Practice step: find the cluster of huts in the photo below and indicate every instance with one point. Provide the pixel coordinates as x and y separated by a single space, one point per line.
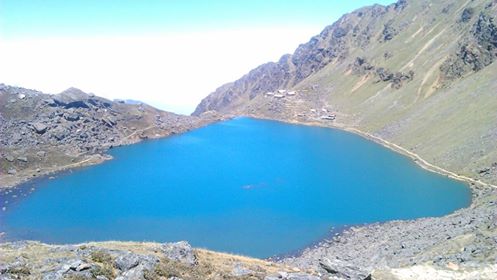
281 93
324 114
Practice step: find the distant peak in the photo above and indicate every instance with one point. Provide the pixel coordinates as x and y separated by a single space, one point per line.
73 90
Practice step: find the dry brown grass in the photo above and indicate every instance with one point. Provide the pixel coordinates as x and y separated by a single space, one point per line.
211 265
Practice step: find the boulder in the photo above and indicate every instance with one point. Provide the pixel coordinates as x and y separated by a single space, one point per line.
50 102
179 251
22 159
127 262
41 153
39 128
12 171
110 122
146 263
72 117
60 133
342 269
467 14
239 270
9 158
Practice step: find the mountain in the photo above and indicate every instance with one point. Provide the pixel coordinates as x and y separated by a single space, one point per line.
43 133
419 74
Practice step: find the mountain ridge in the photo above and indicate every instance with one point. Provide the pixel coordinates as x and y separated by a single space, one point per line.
396 72
44 133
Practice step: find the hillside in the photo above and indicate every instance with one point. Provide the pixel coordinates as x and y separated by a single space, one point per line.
43 133
417 77
420 74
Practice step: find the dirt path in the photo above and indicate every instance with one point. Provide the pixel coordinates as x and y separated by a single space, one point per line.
418 159
138 131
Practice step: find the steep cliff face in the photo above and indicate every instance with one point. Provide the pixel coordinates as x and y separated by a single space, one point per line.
420 74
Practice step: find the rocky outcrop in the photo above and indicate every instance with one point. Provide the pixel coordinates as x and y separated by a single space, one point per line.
180 251
477 50
467 14
76 98
362 67
333 44
134 261
71 127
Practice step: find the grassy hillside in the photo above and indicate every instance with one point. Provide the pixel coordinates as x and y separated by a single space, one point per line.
417 73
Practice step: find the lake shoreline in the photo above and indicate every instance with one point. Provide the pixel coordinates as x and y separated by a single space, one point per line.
358 250
9 182
387 144
306 257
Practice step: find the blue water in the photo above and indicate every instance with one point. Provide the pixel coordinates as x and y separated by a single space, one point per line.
247 186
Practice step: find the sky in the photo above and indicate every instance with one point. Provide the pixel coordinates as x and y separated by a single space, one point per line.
167 53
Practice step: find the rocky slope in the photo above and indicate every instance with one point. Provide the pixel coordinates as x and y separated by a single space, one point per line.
134 261
43 133
417 77
420 74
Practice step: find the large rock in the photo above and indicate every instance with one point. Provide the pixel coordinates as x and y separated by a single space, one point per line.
60 133
342 269
41 153
22 159
240 270
109 121
179 251
9 158
39 128
72 117
127 262
135 266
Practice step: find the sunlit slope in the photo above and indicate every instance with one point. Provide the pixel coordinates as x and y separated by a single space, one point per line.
418 73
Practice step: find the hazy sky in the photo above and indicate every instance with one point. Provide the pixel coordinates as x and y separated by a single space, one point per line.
168 53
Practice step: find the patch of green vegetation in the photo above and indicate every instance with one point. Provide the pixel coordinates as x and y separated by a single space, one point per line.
105 267
20 272
4 167
105 270
167 268
101 257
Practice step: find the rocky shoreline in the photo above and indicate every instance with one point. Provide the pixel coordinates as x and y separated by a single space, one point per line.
43 134
134 261
458 242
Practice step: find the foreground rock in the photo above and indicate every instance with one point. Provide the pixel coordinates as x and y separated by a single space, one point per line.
133 261
180 251
462 243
